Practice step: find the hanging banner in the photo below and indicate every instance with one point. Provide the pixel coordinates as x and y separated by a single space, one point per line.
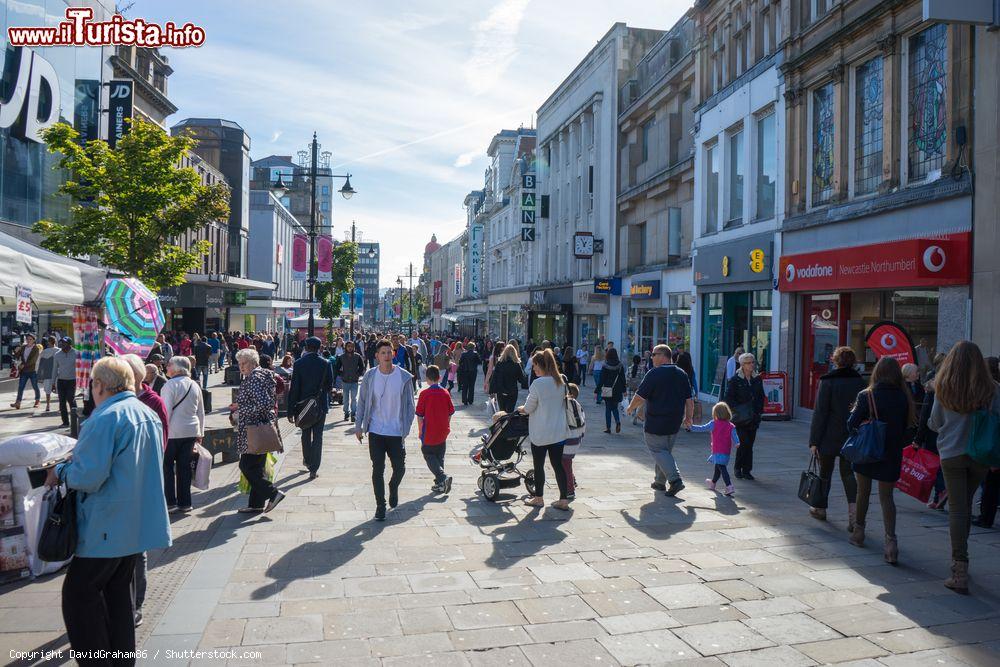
300 257
888 339
458 280
119 109
359 298
23 305
438 294
475 259
324 259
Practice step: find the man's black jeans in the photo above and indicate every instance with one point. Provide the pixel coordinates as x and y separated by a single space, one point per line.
312 445
97 606
380 446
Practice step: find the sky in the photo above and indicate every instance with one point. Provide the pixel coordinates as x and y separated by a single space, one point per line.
406 95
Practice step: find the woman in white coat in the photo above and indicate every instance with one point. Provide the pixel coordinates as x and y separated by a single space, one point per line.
547 426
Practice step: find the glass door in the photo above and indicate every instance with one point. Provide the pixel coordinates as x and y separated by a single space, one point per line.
647 322
821 336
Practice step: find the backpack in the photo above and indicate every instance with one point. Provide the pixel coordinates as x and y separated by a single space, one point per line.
576 419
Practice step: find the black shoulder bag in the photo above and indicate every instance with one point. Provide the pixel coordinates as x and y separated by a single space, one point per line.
57 541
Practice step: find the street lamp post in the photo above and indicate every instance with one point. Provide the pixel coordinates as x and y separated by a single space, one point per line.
354 274
409 314
279 189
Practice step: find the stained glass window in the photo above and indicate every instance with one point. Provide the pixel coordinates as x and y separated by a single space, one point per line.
868 127
927 78
822 148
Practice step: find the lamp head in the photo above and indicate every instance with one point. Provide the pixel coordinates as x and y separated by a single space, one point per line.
347 191
279 188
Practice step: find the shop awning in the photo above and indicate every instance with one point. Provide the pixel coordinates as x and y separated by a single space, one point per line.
228 282
55 281
458 316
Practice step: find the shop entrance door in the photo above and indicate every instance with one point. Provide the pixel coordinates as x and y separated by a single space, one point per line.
646 332
736 321
822 315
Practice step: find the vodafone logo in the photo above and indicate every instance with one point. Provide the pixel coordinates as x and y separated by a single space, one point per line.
934 258
790 272
888 341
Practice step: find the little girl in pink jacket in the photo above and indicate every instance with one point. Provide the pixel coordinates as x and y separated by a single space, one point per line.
724 438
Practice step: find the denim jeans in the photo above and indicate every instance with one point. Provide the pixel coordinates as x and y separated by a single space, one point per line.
380 447
434 457
661 449
611 408
597 383
312 445
23 380
350 398
203 375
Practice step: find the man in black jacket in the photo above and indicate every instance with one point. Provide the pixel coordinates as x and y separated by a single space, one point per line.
350 367
312 377
468 369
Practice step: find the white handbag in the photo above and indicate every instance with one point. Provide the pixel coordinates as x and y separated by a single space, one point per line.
203 468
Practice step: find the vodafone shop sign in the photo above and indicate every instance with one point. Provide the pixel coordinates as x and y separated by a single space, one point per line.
927 262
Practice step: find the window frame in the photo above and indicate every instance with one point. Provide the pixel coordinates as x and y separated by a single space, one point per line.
707 148
761 115
731 221
853 124
904 118
810 110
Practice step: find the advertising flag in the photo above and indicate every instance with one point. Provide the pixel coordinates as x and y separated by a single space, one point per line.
890 339
324 258
300 257
438 294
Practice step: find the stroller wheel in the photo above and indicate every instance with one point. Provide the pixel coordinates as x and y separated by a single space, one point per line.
529 482
479 482
491 487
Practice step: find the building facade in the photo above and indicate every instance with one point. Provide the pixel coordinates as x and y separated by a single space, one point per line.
366 277
576 159
447 285
739 152
150 70
264 174
655 205
879 203
272 227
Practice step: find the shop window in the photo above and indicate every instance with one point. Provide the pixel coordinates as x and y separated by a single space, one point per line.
647 138
868 127
712 167
734 179
926 114
767 167
760 328
677 331
711 344
822 145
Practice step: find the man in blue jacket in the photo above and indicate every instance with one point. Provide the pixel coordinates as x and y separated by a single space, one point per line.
117 474
312 377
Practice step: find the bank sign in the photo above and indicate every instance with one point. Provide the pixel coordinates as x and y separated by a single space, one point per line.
923 262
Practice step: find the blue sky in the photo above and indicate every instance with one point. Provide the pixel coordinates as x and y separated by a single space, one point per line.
407 95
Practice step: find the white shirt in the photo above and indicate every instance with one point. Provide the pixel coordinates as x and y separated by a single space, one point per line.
187 419
730 368
546 409
386 390
581 356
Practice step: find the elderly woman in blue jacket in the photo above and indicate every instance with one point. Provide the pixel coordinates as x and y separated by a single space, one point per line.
117 473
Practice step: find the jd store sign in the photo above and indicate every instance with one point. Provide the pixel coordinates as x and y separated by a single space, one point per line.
34 101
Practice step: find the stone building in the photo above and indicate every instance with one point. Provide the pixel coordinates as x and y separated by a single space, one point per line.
879 192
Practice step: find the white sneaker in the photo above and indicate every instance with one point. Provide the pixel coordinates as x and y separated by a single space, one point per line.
710 484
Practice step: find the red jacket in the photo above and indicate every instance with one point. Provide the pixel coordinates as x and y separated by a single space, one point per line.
152 400
435 407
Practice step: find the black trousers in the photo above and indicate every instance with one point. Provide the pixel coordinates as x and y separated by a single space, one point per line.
507 402
555 454
177 471
468 389
991 494
380 446
826 464
312 445
66 389
97 606
434 457
744 453
261 488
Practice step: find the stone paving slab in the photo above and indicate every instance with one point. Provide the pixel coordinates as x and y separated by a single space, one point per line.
626 577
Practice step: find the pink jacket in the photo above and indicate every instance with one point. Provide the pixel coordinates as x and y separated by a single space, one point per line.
723 435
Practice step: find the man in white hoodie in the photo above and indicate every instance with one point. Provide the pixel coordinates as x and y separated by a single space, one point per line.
385 411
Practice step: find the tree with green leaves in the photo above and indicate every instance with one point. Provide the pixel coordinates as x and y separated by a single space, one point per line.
419 309
131 203
330 294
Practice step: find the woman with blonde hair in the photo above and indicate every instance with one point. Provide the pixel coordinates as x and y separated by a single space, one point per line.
547 426
507 379
745 397
596 366
963 385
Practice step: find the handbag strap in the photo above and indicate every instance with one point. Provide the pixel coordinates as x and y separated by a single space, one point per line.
813 464
872 412
183 397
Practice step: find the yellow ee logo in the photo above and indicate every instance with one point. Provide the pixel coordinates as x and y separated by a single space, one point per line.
757 260
725 266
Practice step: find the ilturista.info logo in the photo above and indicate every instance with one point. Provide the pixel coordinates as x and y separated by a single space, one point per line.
79 29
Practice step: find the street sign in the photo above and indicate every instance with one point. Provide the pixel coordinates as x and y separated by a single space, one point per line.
310 304
527 233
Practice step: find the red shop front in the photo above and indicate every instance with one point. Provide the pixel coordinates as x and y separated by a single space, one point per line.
844 291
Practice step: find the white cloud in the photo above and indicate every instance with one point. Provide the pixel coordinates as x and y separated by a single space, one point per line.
277 135
495 45
465 159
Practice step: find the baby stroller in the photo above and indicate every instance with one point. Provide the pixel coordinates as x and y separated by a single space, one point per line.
499 455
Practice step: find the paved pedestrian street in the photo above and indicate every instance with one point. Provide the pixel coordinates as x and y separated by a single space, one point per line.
627 577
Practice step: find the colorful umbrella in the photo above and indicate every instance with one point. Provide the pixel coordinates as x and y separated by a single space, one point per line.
133 316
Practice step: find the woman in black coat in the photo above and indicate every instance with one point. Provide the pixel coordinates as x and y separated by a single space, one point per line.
893 406
838 390
570 365
507 379
612 377
745 397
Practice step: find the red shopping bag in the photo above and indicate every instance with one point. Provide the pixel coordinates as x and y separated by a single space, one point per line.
919 470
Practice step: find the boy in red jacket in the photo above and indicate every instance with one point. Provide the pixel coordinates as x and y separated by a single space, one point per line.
434 411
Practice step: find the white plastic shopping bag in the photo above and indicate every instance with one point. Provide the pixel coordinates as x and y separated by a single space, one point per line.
35 514
203 468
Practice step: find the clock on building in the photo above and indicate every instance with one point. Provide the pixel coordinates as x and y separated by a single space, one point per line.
583 245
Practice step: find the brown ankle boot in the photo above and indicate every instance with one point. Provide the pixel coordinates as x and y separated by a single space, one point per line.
959 579
891 551
858 534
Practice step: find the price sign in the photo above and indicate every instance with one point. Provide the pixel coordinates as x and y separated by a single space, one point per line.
24 305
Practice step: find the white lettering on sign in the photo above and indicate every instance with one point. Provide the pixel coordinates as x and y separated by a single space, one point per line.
33 72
